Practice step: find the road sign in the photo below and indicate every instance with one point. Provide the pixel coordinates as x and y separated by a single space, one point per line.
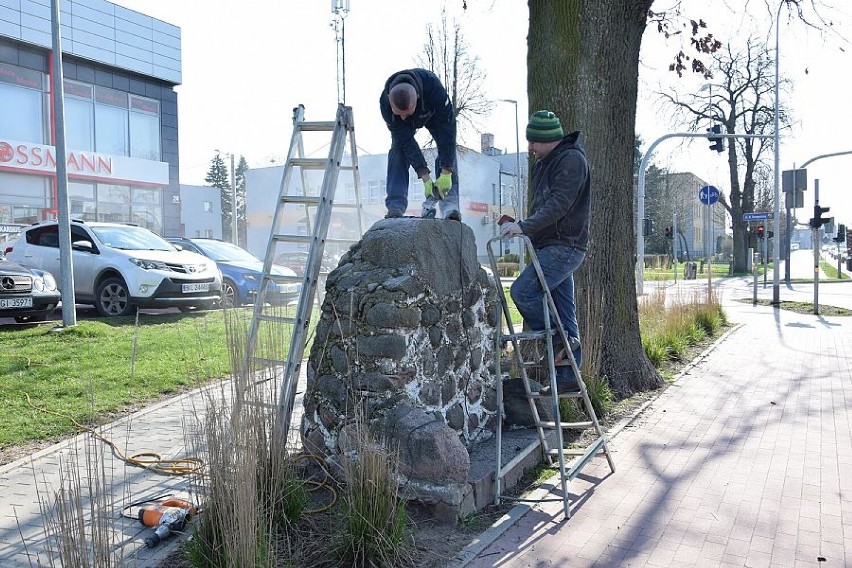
757 216
708 195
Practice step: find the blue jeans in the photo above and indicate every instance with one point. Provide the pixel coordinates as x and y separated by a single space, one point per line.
558 263
397 180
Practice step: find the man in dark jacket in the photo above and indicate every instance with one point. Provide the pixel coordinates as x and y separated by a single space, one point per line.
558 227
412 99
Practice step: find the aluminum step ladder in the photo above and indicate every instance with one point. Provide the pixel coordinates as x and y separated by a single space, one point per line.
306 209
550 449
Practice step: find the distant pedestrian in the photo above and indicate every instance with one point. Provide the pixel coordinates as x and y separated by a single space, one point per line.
558 227
413 99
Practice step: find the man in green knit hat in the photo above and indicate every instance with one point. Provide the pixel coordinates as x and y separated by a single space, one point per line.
558 227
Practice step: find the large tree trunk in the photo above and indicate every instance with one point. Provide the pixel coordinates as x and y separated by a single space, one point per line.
583 64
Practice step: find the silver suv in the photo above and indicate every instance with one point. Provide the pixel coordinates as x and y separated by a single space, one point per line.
118 267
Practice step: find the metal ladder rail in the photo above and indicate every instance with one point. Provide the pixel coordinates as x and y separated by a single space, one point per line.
289 382
531 397
599 445
340 128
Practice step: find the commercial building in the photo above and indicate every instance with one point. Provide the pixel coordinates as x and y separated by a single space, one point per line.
120 69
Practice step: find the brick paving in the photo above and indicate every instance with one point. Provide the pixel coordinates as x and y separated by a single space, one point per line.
745 461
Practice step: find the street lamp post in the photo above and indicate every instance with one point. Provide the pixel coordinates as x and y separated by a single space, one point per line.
521 192
776 245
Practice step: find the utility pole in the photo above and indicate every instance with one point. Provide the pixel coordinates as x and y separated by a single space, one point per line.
69 315
235 236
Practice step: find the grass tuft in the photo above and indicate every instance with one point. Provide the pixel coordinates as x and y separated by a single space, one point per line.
373 522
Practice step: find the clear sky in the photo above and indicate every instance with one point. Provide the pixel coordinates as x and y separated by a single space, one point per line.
247 64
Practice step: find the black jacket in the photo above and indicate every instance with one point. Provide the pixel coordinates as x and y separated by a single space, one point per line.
434 111
560 201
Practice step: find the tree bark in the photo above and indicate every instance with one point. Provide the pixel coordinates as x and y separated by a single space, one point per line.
583 59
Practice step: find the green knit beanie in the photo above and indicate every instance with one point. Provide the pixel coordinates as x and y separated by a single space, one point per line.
544 126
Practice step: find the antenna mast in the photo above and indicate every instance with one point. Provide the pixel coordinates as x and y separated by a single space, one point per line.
340 9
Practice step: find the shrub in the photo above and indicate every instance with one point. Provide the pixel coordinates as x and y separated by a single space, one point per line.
507 269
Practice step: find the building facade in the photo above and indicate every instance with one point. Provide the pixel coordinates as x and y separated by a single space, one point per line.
201 212
120 68
487 190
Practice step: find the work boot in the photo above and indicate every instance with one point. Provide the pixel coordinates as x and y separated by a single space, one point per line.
428 211
393 214
450 211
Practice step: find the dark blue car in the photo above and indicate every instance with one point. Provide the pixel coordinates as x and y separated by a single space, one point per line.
241 272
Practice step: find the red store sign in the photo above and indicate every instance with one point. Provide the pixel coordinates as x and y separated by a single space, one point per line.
28 158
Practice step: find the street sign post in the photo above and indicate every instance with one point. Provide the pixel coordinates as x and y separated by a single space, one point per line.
708 195
757 216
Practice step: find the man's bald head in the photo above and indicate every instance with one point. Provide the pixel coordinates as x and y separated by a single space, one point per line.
403 99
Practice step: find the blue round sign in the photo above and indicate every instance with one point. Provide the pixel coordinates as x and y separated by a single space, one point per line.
708 195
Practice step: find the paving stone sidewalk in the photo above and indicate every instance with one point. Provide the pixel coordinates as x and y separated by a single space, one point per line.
745 461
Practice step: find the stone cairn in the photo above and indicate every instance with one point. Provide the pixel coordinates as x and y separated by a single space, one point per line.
404 346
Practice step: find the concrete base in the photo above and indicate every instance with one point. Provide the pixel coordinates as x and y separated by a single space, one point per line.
521 444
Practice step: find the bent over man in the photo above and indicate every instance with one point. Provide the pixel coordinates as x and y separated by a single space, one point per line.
558 227
413 99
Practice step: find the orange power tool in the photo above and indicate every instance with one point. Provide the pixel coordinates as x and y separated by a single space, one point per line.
165 518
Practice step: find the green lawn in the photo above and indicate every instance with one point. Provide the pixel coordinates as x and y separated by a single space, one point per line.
102 368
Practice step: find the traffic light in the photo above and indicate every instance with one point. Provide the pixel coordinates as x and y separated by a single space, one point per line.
760 231
840 237
818 220
718 143
669 233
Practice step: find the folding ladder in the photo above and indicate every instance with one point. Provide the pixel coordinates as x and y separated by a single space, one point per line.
550 451
303 215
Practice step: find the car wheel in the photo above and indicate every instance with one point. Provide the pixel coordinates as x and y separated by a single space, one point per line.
229 295
35 318
113 299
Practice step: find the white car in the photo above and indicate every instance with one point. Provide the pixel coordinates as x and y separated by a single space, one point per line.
120 267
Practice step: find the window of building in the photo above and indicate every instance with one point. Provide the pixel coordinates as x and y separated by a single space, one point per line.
113 203
208 206
375 196
111 122
208 233
22 95
144 128
79 116
82 199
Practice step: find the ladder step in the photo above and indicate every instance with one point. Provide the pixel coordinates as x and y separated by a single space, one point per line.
276 319
522 335
283 278
572 394
318 126
566 425
315 164
285 238
308 163
301 199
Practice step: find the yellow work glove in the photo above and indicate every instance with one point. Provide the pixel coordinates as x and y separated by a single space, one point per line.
428 186
444 183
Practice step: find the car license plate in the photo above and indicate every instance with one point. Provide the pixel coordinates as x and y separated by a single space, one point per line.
9 303
195 287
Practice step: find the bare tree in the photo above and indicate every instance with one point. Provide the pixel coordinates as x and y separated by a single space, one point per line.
741 99
447 54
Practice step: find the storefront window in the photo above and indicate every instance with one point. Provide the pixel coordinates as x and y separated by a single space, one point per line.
113 203
82 199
